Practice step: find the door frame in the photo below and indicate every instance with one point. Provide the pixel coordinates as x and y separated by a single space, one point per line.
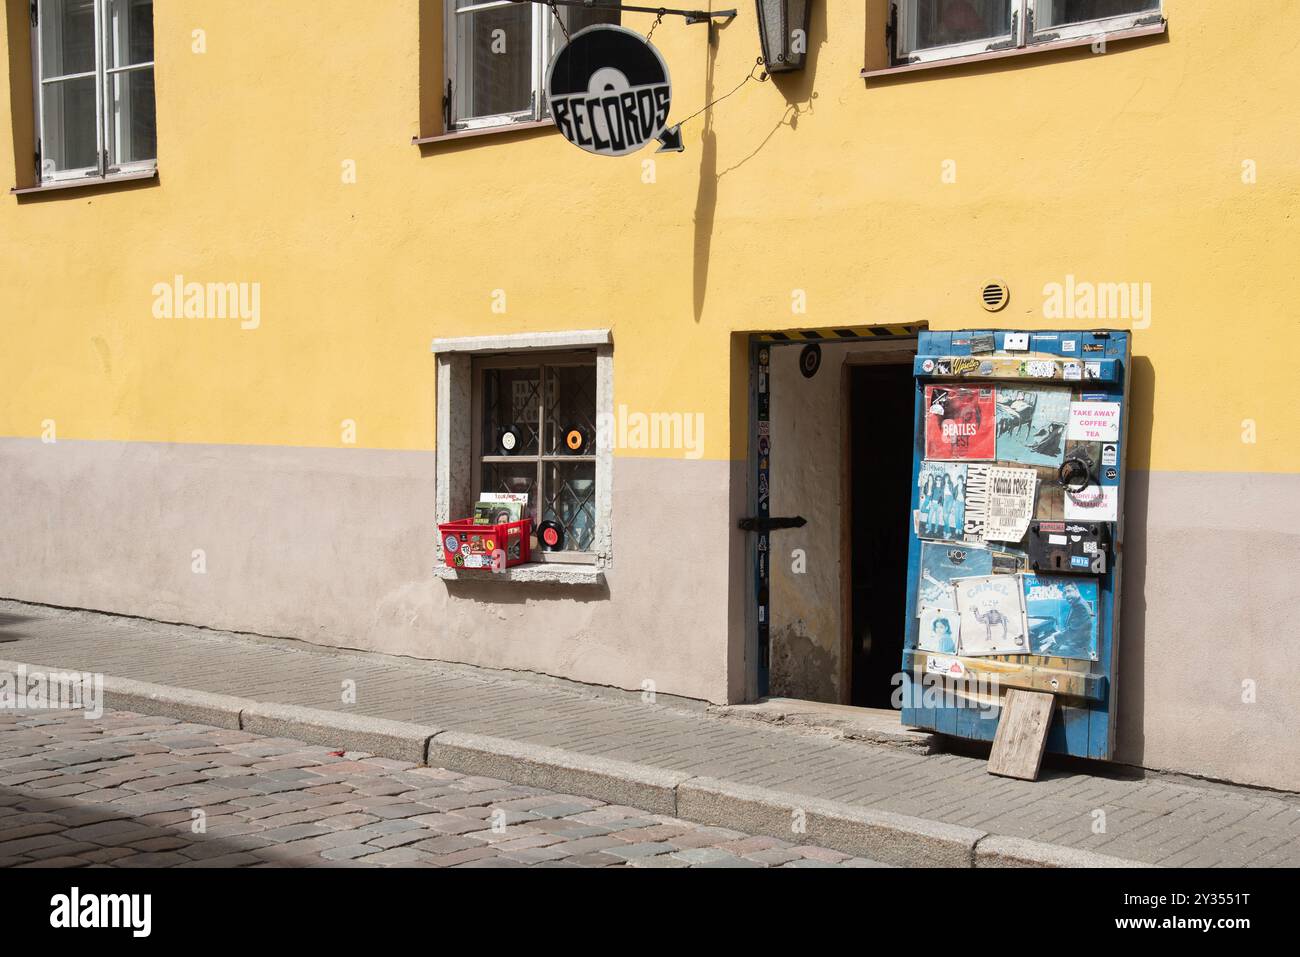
757 570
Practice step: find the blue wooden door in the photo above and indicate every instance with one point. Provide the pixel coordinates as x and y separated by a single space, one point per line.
1026 379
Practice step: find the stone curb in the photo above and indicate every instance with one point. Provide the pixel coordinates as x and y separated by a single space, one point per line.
567 772
398 740
880 835
996 851
379 736
183 704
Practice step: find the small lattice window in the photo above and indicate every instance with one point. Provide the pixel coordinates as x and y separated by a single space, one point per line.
536 435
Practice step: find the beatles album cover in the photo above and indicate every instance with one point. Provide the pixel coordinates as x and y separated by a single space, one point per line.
960 423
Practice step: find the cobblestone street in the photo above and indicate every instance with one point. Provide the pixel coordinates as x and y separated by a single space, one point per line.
667 752
129 790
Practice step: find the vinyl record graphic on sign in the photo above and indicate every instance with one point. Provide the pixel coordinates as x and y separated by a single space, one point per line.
609 91
810 360
550 535
509 440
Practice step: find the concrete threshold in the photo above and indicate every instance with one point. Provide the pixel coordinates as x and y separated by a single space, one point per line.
883 836
875 726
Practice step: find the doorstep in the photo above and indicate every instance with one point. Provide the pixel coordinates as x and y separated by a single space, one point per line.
879 726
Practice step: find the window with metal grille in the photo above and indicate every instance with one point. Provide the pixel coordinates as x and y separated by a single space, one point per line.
497 52
536 434
94 87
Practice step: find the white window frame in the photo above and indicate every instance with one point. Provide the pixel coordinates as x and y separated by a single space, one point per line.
908 21
543 27
106 29
1099 28
1023 33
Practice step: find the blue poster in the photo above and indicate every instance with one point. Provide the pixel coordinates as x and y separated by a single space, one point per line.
940 564
1032 425
1062 615
942 508
939 631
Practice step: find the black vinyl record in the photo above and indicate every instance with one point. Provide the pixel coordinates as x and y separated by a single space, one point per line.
575 440
550 536
509 440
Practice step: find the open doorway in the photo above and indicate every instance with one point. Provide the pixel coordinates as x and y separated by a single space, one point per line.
881 404
835 454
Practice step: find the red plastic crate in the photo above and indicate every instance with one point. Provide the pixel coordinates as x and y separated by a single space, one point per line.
486 547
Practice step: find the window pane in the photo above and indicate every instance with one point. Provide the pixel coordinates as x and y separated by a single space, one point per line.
576 18
569 497
510 411
944 22
570 410
67 37
132 133
1059 12
494 60
68 108
520 478
130 32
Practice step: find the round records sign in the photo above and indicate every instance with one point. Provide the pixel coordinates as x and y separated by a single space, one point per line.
609 91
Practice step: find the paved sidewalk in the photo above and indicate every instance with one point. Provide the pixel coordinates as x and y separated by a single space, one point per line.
710 764
130 790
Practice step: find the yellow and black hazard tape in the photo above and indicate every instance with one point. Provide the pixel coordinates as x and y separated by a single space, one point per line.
836 334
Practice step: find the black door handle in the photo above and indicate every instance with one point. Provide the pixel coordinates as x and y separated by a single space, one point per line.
756 524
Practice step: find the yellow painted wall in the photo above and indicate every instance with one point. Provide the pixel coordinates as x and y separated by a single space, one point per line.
1123 167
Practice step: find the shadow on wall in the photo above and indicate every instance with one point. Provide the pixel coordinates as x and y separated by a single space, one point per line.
1130 738
796 87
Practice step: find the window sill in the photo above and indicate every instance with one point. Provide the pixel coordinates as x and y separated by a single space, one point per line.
549 573
504 128
1154 29
83 183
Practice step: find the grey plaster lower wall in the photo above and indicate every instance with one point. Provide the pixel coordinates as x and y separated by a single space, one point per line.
1210 640
337 547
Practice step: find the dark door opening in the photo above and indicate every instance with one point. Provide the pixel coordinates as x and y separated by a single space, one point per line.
881 409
